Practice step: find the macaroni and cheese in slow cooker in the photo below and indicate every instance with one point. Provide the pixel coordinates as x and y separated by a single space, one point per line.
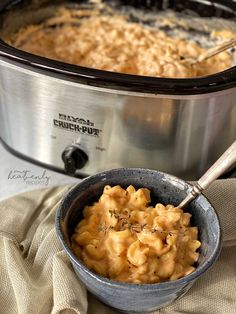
112 42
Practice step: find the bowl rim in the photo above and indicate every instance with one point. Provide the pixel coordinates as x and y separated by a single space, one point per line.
68 200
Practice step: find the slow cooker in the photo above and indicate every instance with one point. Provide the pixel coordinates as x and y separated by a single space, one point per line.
81 120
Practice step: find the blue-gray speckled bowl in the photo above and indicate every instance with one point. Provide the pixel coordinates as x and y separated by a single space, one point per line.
167 189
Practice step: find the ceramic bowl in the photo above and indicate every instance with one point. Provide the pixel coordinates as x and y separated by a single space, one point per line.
166 189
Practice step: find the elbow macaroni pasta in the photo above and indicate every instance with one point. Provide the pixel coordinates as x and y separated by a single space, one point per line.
113 43
124 239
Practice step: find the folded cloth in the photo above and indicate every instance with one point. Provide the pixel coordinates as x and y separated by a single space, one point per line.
37 277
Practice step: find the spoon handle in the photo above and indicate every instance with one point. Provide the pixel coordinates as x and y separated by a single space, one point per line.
214 51
218 168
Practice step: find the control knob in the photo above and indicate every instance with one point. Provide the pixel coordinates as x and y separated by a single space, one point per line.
74 158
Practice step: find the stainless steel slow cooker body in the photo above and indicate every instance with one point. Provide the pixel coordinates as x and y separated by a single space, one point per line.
82 121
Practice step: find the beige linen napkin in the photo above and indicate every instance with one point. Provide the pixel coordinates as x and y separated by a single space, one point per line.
37 277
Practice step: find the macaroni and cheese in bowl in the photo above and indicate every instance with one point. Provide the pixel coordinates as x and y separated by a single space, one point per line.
143 243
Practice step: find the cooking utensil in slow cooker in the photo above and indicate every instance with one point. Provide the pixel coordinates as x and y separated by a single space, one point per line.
222 164
49 107
212 52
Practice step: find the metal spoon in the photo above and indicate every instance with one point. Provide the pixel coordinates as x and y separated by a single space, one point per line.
212 52
218 168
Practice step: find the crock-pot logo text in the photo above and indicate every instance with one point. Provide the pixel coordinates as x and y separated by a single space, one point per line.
75 124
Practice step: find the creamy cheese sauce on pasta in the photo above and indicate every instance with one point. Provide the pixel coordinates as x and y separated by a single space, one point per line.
115 44
123 238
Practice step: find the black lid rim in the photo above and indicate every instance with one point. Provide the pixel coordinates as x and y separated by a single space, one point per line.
120 81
